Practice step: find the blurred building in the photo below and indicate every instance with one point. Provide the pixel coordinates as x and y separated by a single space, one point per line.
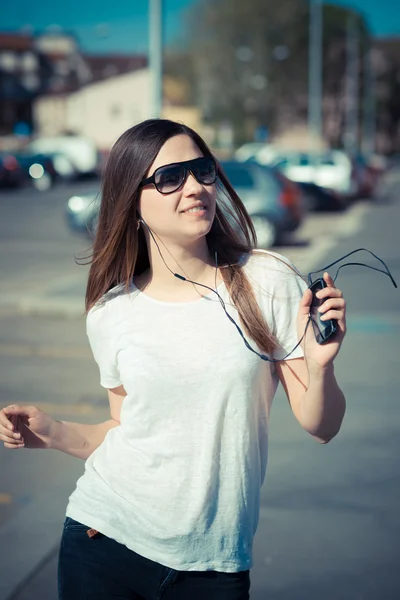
31 66
49 65
23 72
100 110
104 109
68 69
109 65
48 87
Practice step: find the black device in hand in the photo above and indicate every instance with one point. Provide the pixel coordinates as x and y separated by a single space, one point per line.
323 330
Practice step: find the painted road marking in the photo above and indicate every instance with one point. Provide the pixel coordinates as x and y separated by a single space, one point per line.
374 323
354 220
6 498
45 351
334 228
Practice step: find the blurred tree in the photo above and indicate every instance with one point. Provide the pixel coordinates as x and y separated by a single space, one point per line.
247 64
178 68
386 59
335 85
247 59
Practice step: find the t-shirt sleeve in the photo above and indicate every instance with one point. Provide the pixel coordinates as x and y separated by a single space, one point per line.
288 291
101 339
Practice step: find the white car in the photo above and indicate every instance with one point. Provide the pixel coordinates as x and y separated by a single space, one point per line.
248 151
79 151
331 169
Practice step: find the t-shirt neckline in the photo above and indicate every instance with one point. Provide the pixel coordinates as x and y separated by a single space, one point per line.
208 297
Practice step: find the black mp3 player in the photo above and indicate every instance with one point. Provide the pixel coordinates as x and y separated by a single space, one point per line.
323 330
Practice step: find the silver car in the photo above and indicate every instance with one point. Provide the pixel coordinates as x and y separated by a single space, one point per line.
274 203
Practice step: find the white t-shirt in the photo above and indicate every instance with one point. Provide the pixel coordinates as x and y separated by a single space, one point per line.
178 481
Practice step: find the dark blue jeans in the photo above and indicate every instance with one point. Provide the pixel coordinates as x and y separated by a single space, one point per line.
99 568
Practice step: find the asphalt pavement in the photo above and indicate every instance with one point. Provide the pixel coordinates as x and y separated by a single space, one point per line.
329 524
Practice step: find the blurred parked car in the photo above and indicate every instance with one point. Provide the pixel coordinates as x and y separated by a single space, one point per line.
82 212
318 199
273 202
331 170
11 172
367 171
80 152
248 151
44 170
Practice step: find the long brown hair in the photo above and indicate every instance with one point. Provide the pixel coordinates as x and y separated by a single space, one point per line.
120 250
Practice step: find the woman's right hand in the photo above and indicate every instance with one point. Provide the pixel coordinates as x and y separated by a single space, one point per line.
26 427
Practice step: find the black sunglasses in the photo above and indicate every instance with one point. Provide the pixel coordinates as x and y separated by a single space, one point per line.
169 178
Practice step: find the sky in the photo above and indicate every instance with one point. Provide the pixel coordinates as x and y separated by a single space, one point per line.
122 25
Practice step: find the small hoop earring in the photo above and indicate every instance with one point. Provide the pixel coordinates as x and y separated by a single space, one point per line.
138 226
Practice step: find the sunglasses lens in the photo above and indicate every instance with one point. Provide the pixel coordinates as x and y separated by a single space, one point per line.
205 170
169 179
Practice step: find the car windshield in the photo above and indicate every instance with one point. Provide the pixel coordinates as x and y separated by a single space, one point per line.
239 177
281 162
327 159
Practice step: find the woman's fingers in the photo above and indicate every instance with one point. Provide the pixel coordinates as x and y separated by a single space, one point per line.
305 302
329 292
328 280
11 437
13 446
5 421
11 440
15 410
9 433
332 314
332 303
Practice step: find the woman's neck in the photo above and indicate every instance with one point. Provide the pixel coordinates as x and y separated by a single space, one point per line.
195 265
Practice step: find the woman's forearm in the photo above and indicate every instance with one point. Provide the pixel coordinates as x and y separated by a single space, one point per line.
78 439
323 405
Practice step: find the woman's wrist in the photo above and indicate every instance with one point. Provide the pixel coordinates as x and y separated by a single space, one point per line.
318 372
55 435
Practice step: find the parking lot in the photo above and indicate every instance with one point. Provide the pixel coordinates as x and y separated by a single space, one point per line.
328 513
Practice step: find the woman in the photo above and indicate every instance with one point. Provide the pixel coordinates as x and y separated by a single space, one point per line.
169 501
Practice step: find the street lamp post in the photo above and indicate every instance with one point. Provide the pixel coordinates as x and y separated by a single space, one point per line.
369 109
351 141
155 56
315 74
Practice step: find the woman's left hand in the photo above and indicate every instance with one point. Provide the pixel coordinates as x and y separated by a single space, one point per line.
333 307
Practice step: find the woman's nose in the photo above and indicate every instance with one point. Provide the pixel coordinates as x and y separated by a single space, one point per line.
192 186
